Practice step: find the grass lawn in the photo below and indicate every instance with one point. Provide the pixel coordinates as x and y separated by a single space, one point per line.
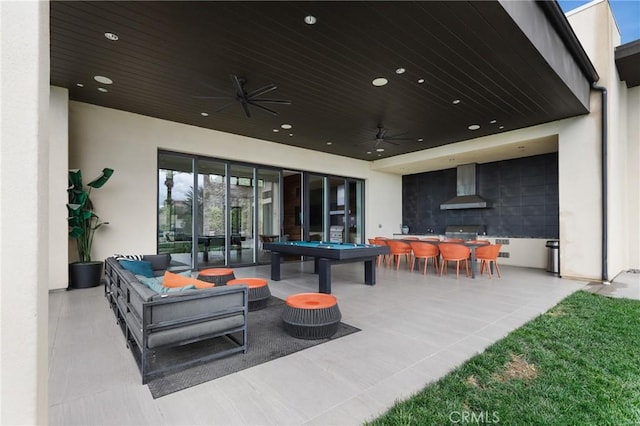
577 364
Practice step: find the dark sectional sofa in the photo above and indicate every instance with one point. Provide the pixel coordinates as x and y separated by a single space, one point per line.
152 322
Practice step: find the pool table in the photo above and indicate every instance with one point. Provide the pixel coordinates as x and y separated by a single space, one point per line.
325 254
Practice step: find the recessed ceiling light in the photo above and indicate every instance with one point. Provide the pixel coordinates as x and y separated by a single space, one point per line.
276 130
474 127
368 152
102 79
102 89
329 143
379 149
286 126
310 20
456 101
420 80
501 127
420 139
400 70
380 81
79 84
111 36
204 114
493 121
290 134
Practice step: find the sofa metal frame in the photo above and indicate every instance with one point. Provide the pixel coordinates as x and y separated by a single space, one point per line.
151 322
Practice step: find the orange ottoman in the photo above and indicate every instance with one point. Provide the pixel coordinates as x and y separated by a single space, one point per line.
218 276
311 315
259 292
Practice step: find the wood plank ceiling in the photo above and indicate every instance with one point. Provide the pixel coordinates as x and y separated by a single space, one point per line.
466 63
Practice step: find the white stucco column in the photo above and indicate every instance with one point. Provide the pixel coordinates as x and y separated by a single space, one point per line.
24 206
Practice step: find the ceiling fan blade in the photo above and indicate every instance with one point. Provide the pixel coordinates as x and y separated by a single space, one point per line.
261 91
212 97
225 106
272 101
239 86
217 89
245 107
398 137
263 108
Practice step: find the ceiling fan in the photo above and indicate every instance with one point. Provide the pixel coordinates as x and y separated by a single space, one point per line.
383 137
248 98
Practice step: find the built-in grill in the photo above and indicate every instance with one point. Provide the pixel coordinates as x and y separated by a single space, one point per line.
466 232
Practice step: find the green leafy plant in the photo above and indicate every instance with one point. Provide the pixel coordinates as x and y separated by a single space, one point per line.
83 221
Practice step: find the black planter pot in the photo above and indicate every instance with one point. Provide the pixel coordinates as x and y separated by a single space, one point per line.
84 274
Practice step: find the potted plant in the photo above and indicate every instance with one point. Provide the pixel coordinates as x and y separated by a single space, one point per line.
83 223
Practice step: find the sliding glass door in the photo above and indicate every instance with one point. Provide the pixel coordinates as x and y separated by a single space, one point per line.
317 208
242 205
175 184
355 211
211 212
269 205
217 213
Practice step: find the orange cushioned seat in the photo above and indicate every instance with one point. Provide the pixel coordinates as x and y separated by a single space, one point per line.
172 280
311 300
249 282
311 315
259 292
218 276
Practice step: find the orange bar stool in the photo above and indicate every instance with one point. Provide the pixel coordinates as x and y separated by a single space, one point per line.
379 241
259 292
398 249
311 315
454 253
218 276
486 255
426 251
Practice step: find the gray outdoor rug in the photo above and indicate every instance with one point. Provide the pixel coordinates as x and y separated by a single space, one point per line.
266 341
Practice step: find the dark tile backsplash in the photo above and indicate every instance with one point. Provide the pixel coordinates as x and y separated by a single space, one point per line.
523 193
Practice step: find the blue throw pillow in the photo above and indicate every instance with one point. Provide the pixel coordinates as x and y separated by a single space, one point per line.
138 267
155 284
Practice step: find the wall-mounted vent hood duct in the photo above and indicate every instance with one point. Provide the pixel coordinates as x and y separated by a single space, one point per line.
467 197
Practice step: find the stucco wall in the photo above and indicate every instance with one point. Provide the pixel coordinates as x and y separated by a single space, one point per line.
623 184
24 208
128 143
58 182
632 181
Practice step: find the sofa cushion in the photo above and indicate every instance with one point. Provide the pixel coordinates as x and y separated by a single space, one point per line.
159 262
179 280
128 256
155 284
138 267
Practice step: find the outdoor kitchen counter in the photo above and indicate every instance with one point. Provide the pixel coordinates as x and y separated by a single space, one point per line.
525 252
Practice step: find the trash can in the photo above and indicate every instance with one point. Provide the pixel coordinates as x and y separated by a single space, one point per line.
553 256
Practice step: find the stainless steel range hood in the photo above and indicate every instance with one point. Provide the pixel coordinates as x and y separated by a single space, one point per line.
466 198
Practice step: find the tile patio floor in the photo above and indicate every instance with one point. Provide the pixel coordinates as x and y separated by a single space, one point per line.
415 328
